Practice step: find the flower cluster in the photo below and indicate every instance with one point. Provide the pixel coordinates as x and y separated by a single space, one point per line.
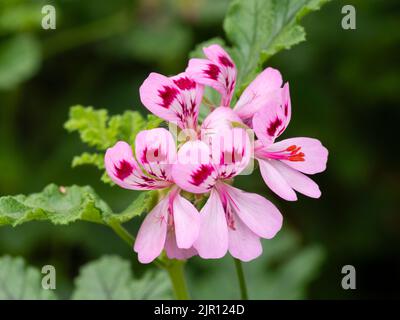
216 151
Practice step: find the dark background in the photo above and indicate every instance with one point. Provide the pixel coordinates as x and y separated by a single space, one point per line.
345 92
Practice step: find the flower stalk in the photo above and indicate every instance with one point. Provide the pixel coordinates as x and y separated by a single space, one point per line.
242 281
175 271
174 268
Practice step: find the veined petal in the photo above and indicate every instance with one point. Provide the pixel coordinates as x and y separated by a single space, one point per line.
190 98
194 171
172 250
212 242
231 151
275 181
152 233
265 87
156 152
256 212
218 72
220 118
270 121
314 154
297 180
123 169
244 244
186 222
176 99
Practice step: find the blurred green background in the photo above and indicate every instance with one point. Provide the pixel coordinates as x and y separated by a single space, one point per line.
345 92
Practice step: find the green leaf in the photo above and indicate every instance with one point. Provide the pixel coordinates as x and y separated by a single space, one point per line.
20 58
143 203
211 97
260 28
59 205
94 126
110 278
86 158
21 282
97 129
63 205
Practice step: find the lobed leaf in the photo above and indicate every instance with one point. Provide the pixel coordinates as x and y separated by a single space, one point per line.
143 203
64 205
258 29
21 282
59 205
94 126
97 129
86 158
110 278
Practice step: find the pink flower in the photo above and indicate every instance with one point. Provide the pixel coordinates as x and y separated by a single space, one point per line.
266 107
231 219
174 222
176 99
219 72
283 163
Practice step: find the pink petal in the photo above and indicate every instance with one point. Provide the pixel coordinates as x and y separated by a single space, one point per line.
220 118
244 244
212 242
286 102
315 154
259 214
275 181
265 87
176 99
173 252
218 72
186 222
152 233
123 169
270 121
297 180
231 151
156 152
194 171
191 97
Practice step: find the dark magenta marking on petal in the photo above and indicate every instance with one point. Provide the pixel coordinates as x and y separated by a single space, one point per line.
185 83
225 61
143 157
151 155
213 71
286 109
147 179
167 94
199 176
273 126
231 157
123 170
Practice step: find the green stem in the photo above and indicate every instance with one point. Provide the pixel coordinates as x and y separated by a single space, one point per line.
130 240
241 279
176 273
122 233
175 268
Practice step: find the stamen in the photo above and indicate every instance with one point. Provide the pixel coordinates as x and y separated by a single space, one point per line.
291 148
291 153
